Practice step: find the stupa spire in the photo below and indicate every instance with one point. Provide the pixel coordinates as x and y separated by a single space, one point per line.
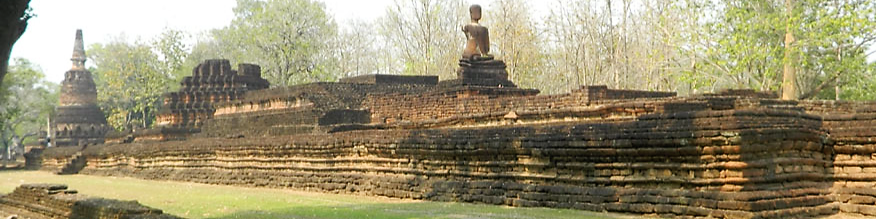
78 51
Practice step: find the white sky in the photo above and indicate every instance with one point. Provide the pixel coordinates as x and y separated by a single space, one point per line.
48 40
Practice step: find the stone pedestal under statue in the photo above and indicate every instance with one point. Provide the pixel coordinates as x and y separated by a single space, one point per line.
483 73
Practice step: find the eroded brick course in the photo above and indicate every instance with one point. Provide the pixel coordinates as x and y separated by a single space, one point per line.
723 157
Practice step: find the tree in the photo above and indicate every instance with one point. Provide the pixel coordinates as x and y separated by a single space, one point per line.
685 39
823 43
622 44
28 101
206 47
426 35
356 49
130 79
789 69
173 53
289 39
517 41
14 15
832 44
748 46
861 90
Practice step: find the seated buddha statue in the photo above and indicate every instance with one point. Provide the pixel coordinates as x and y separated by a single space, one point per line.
477 46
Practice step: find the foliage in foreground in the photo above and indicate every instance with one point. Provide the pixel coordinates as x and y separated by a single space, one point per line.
27 101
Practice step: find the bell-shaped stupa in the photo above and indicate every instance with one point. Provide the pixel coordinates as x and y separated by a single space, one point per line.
78 120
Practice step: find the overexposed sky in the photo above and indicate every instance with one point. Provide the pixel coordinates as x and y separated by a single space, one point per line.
48 40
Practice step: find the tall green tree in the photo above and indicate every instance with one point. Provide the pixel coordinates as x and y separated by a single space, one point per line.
833 43
173 53
130 79
823 42
28 100
289 39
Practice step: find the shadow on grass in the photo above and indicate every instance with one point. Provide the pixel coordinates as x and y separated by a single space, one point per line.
418 210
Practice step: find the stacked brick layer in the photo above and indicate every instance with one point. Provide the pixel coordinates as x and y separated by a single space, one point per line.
328 107
391 79
212 82
850 128
298 109
703 157
443 105
60 157
55 201
602 92
184 111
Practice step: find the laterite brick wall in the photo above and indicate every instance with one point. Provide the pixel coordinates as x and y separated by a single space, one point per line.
703 157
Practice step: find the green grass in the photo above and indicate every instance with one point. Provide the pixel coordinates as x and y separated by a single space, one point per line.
192 200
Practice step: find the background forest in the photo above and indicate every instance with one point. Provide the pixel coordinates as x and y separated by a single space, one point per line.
687 46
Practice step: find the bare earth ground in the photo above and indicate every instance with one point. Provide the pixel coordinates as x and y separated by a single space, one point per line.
193 200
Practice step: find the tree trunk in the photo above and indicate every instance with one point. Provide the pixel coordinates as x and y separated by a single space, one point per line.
839 58
17 147
789 71
13 22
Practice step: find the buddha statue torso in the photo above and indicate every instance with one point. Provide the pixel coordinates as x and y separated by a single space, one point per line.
477 45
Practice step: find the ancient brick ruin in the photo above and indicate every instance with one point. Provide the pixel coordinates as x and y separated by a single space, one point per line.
212 82
78 120
37 201
184 112
479 138
735 154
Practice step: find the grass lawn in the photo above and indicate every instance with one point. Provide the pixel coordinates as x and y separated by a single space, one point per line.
192 200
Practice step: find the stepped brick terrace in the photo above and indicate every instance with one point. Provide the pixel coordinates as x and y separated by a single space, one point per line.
734 154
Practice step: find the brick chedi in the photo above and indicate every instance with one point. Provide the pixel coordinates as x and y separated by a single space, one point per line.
78 119
212 82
